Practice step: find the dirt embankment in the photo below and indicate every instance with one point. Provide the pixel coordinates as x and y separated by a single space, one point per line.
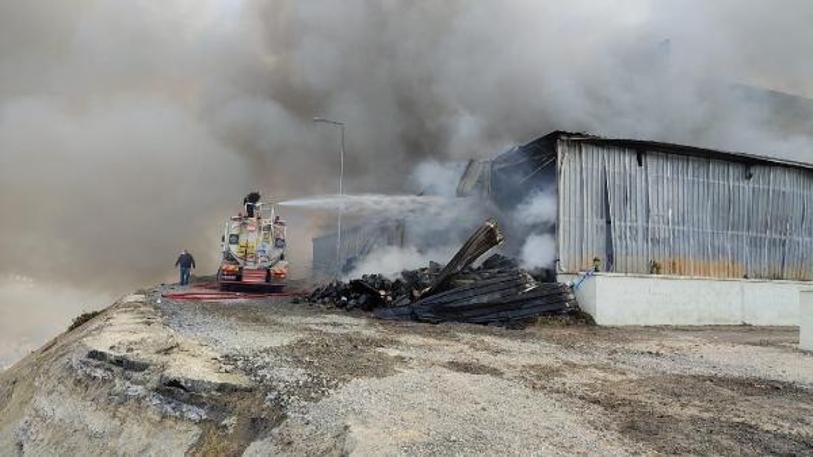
260 377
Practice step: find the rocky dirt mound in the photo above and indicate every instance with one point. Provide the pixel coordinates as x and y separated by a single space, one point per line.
122 383
159 377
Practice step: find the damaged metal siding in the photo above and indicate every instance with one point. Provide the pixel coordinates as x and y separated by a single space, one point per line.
357 242
647 211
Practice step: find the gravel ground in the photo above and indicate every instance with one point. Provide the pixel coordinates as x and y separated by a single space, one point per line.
347 384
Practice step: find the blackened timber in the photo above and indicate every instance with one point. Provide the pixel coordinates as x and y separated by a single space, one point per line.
487 236
497 301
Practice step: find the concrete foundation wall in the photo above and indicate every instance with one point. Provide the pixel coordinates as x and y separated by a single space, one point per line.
806 320
617 299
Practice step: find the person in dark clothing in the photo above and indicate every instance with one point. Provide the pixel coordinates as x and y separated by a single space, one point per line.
186 262
250 202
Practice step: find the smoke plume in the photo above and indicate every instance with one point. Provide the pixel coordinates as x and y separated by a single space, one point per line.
538 209
390 261
533 220
538 251
128 130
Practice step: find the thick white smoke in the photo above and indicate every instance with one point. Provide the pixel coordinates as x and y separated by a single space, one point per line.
538 251
536 216
436 222
390 261
433 177
537 209
128 129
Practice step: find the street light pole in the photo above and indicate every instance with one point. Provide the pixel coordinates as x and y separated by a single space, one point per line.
341 191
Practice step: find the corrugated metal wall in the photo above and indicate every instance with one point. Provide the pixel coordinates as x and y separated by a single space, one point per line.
654 212
357 242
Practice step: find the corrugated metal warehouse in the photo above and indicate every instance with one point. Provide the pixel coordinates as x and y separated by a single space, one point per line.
655 208
681 235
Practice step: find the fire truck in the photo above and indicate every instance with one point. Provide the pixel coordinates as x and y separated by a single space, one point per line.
253 246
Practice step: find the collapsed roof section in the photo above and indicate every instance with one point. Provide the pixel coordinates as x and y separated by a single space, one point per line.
508 177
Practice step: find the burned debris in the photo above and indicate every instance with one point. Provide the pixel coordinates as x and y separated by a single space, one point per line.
373 291
497 291
487 236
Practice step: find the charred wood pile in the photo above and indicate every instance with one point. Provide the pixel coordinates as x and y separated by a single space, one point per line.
497 291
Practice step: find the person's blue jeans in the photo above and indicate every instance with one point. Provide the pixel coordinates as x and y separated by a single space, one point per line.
184 276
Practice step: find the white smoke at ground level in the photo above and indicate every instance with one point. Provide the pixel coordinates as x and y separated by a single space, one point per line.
539 251
390 261
532 222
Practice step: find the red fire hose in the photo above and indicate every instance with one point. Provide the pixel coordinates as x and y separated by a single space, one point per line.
209 291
